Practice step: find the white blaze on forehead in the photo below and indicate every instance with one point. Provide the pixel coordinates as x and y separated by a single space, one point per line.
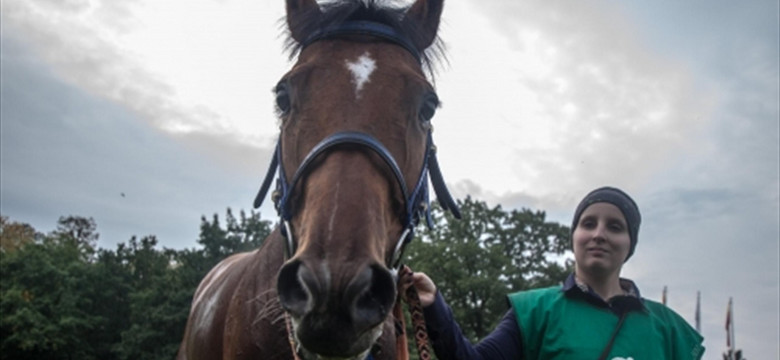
361 70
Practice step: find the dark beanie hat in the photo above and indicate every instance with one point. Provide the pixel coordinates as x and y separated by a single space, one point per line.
623 202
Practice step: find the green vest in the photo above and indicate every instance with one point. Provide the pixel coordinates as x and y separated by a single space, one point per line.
554 326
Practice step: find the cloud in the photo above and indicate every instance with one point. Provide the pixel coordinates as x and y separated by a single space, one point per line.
229 153
66 151
719 241
82 55
118 57
570 91
120 51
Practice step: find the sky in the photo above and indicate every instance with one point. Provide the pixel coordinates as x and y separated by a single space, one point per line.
146 115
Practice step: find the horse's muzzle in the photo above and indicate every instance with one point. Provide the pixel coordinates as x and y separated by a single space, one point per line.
334 320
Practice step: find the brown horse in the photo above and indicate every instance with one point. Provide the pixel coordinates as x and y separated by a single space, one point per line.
355 133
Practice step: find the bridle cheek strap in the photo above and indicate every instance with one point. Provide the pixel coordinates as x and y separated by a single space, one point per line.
417 203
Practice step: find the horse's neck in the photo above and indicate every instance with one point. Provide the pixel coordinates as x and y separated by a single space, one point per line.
272 248
268 330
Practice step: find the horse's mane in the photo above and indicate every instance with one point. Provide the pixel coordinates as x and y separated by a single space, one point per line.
386 12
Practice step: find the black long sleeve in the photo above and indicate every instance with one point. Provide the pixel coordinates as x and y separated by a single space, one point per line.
504 343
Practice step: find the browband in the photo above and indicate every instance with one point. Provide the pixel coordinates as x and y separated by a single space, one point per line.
358 27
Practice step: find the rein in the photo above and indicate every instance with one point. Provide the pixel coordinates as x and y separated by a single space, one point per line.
412 300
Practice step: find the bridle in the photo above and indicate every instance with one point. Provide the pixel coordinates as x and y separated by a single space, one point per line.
416 202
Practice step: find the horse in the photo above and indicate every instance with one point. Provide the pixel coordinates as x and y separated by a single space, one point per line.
355 133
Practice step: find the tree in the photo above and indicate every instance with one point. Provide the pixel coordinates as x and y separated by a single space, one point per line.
476 261
156 312
164 281
77 233
111 283
14 235
45 315
243 234
63 298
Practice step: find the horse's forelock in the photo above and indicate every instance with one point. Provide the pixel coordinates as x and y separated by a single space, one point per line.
386 12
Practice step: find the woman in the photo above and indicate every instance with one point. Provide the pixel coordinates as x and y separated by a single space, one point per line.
594 315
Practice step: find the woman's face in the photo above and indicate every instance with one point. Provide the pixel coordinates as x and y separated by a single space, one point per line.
601 241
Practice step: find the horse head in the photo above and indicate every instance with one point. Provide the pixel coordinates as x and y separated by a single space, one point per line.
355 113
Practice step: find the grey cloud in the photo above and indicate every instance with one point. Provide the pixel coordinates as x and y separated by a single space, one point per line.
722 242
66 152
689 204
89 62
558 206
87 59
611 102
230 153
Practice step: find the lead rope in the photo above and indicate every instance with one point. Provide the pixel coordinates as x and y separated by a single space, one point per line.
412 300
290 336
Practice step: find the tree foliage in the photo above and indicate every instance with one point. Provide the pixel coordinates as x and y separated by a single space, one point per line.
478 260
62 297
45 315
14 235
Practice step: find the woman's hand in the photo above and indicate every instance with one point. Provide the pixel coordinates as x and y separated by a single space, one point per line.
426 289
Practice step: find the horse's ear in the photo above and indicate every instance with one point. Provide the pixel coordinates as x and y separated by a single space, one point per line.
425 15
299 14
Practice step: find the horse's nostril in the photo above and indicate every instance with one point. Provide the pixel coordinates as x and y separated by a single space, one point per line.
376 298
296 287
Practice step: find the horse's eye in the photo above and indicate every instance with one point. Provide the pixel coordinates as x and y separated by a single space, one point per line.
282 98
429 107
